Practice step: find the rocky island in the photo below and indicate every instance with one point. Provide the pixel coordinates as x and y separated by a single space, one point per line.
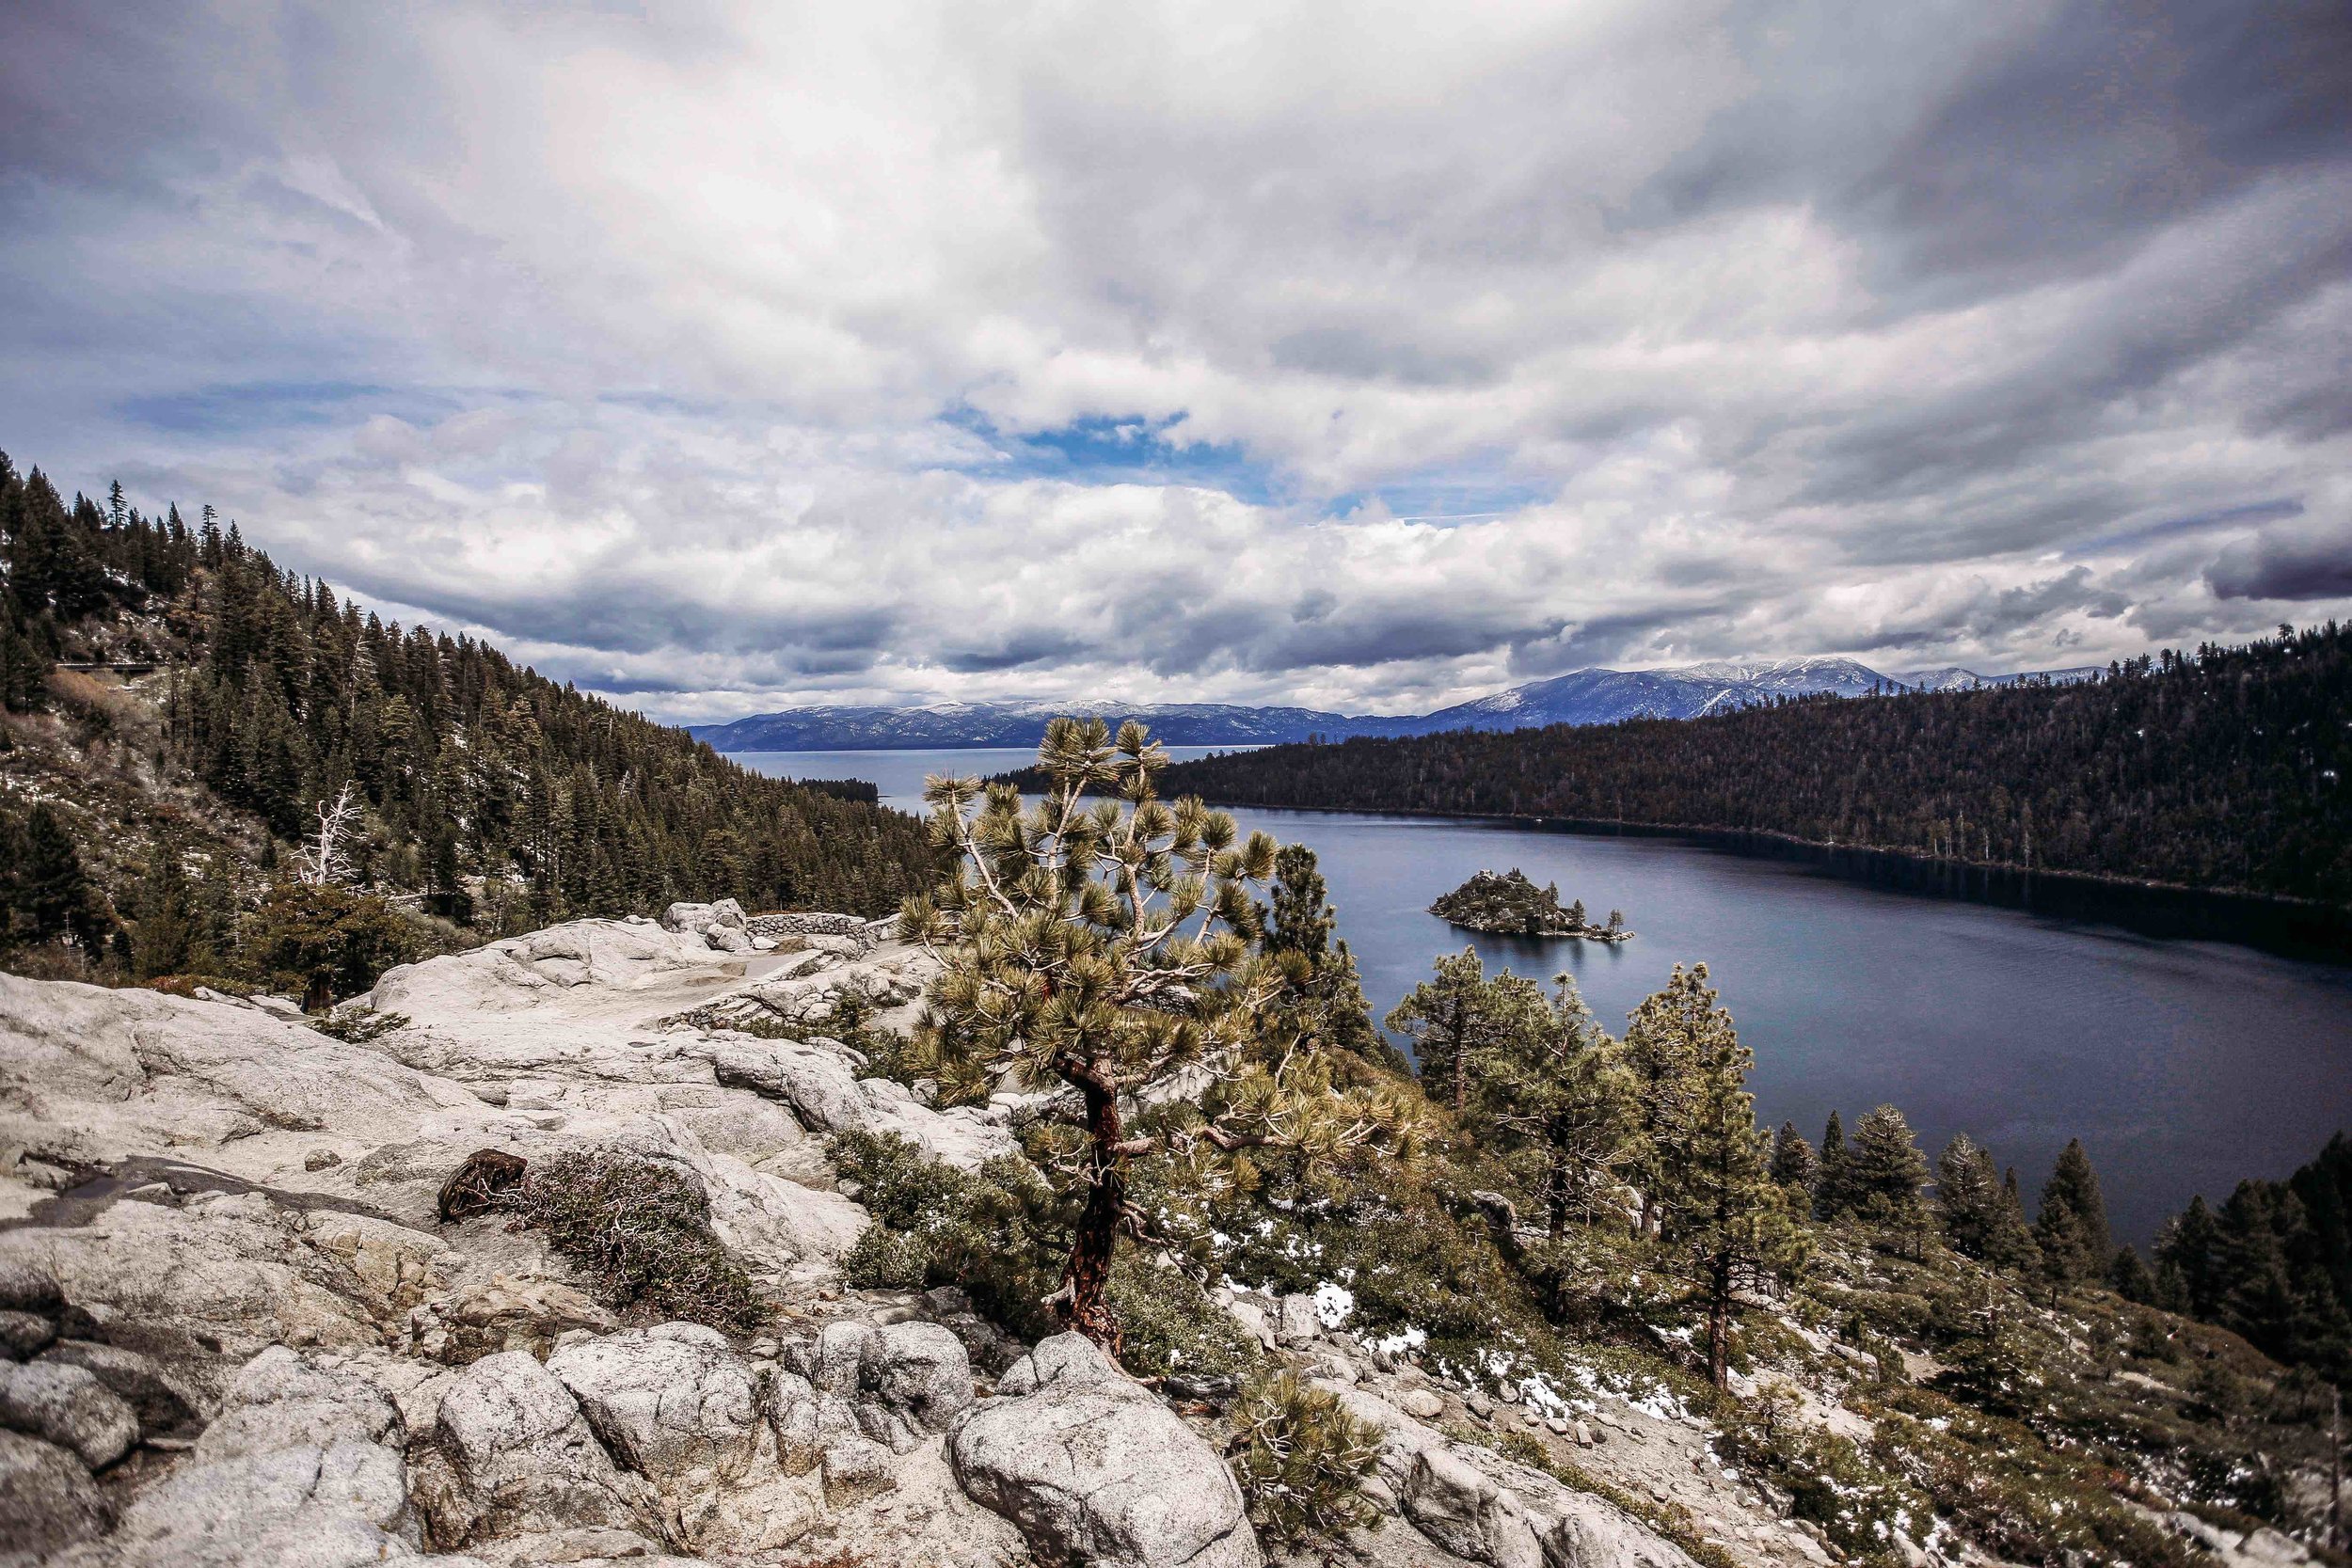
1510 905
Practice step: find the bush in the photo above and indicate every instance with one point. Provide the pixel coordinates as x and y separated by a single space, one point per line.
1861 1507
1170 1326
323 942
644 1228
1302 1461
887 1259
1000 1232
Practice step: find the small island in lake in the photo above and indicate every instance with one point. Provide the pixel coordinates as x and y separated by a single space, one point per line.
1510 905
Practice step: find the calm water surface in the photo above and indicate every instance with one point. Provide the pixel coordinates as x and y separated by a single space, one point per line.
2182 1066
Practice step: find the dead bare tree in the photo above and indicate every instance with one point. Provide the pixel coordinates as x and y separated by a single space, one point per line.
324 859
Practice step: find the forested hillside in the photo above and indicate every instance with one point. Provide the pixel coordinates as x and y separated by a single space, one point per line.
2225 769
220 702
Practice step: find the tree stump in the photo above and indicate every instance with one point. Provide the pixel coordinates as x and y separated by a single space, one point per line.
474 1187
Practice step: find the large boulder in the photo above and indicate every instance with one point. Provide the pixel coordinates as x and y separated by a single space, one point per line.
1094 1469
669 1401
894 1385
720 924
88 1076
303 1466
1486 1510
520 1457
47 1500
68 1406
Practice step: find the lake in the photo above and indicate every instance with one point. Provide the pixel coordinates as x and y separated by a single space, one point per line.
2182 1066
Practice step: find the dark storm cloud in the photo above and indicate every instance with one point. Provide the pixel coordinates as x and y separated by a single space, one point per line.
2287 563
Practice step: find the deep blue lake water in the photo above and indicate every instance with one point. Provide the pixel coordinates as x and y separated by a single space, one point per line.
2182 1066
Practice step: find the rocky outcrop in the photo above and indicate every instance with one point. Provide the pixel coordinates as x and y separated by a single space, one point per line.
47 1499
1486 1510
1094 1469
303 1466
671 1403
818 1080
64 1404
517 1455
720 925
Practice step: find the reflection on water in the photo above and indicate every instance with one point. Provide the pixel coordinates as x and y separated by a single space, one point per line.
2182 1066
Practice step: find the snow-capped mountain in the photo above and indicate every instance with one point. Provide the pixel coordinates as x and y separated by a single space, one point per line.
1594 696
1605 696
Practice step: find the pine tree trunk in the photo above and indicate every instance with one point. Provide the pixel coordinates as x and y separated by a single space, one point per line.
1089 1270
1719 1326
1556 1183
1461 1054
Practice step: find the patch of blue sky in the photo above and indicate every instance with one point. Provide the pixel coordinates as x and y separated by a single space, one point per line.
249 408
1453 495
1097 449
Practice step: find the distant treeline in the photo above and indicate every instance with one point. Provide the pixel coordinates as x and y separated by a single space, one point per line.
2224 768
466 764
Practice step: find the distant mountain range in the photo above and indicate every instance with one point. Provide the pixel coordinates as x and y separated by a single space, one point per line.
1580 697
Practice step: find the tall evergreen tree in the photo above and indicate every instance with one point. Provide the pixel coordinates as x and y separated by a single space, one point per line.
1107 949
1552 1089
1668 1041
2012 1246
1884 1176
1968 1198
2072 1227
1830 1198
1795 1166
52 891
1301 931
164 941
1723 1220
1451 1018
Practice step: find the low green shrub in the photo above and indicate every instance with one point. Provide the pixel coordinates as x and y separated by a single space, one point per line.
644 1228
1860 1506
1302 1459
1170 1328
1001 1234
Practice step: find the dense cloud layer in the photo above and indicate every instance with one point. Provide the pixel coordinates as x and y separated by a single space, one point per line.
1363 355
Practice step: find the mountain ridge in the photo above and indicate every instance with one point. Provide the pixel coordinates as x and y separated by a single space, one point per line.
1591 696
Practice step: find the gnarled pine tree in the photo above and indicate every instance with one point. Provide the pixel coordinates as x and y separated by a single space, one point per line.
1110 947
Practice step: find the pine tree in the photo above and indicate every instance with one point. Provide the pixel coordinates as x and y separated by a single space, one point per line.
164 941
52 891
1552 1089
1302 924
2012 1244
2072 1227
1795 1166
1885 1174
1450 1020
2129 1277
1669 1039
1830 1198
1723 1220
1111 948
1968 1196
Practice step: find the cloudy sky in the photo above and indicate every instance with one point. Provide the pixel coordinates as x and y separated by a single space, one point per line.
1369 356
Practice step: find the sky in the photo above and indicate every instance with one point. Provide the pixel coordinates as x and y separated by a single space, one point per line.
1369 357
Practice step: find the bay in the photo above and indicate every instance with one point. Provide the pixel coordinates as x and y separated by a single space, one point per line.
2184 1065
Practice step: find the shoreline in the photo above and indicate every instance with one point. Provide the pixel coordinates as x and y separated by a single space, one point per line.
2279 923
